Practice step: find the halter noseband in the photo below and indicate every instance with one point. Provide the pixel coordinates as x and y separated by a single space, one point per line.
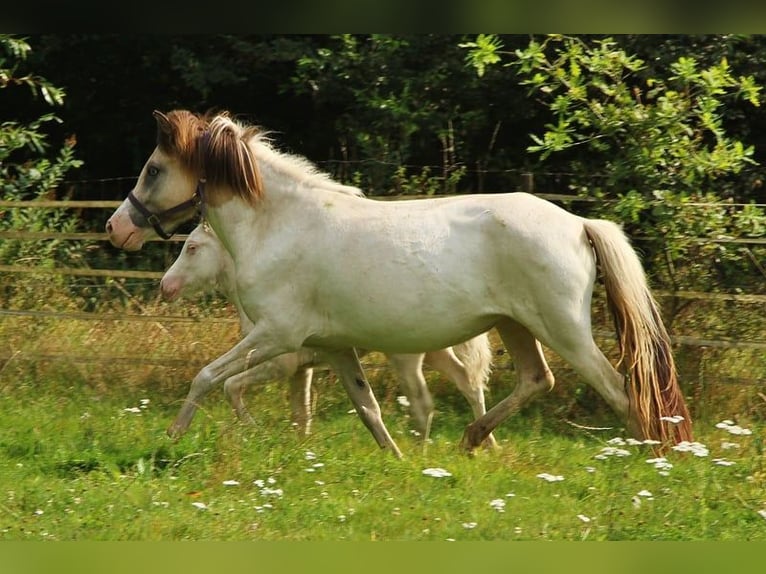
196 201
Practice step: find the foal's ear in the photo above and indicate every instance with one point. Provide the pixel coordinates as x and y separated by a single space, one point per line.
164 129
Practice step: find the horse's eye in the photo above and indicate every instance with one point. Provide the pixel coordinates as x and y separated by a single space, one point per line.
153 171
191 248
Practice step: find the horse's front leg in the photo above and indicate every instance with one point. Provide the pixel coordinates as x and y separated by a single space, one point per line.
251 351
349 370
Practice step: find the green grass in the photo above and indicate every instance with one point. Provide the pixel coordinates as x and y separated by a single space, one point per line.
77 466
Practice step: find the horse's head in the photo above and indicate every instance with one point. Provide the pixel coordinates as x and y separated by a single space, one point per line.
193 155
202 265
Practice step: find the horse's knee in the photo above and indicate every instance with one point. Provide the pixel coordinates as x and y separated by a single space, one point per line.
202 383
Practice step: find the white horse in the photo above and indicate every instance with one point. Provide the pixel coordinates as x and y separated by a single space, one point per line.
333 270
204 265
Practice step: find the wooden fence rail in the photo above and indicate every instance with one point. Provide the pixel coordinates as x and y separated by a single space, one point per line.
156 275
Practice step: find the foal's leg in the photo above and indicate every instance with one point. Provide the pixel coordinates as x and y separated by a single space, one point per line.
239 360
349 370
534 377
447 363
410 370
300 399
277 368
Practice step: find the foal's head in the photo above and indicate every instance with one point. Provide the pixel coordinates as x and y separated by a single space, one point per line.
202 265
198 160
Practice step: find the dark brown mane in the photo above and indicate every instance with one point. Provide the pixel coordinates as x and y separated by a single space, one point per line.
212 147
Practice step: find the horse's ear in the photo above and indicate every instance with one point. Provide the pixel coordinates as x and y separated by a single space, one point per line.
164 130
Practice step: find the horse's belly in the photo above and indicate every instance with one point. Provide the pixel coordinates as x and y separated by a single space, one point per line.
400 323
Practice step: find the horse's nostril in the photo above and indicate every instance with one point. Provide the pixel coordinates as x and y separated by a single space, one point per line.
109 226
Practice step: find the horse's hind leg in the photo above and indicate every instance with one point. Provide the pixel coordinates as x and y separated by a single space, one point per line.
410 370
589 362
534 377
447 363
349 370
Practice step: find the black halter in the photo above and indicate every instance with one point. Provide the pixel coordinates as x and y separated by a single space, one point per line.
196 201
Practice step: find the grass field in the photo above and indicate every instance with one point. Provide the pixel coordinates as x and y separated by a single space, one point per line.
85 461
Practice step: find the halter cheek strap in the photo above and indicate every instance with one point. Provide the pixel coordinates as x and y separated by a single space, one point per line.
196 201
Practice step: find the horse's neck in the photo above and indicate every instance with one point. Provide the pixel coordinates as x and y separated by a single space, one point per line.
283 171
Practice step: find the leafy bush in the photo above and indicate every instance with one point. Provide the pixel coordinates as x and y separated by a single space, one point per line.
28 169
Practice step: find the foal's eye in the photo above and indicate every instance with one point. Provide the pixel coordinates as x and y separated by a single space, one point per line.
191 248
153 171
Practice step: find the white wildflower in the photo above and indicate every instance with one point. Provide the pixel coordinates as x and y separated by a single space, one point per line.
696 448
723 462
675 419
583 518
436 472
498 504
231 483
402 400
661 464
550 477
268 491
645 493
732 428
762 513
469 525
200 505
608 451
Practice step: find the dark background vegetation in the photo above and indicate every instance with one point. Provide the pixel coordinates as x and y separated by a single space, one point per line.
362 99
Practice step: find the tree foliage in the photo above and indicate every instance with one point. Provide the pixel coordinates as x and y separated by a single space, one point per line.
29 167
666 166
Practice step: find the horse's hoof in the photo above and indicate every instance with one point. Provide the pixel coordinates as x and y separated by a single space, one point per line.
175 432
472 438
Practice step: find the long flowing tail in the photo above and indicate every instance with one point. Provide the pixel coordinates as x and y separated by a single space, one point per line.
645 349
476 355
